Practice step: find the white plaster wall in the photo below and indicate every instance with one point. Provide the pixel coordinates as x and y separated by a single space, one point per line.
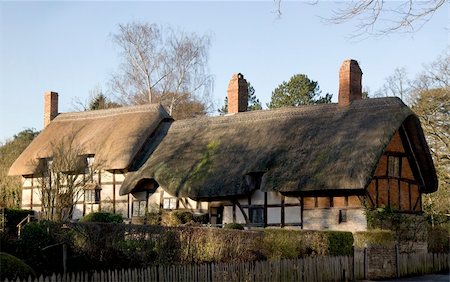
257 197
120 177
107 177
106 193
26 197
154 199
273 215
36 196
107 207
292 215
78 211
329 219
122 208
227 214
27 182
203 206
273 198
291 200
239 217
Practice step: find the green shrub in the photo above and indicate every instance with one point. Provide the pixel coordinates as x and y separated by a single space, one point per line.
201 218
281 243
438 239
105 217
13 217
377 237
234 226
33 243
13 268
286 244
339 243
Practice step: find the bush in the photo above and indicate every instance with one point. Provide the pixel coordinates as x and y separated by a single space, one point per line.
13 217
281 243
378 237
201 218
105 217
33 243
339 243
13 268
234 226
176 218
438 239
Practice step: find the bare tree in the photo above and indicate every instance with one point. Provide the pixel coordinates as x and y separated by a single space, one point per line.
406 15
161 65
62 179
431 103
397 84
97 100
380 17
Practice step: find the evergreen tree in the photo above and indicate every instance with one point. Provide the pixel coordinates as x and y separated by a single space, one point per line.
300 90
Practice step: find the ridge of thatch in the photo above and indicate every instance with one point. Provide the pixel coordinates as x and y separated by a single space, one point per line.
299 149
114 136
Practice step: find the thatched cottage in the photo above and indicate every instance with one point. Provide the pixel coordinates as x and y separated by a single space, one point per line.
310 167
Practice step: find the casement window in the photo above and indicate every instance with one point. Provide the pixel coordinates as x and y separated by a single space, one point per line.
256 215
139 208
342 216
92 196
393 166
170 203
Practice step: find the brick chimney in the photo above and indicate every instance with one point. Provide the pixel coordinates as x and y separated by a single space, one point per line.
349 83
237 94
50 107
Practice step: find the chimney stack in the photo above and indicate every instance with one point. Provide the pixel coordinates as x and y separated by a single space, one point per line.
50 107
237 94
350 76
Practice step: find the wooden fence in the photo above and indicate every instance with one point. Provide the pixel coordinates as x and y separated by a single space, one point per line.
307 269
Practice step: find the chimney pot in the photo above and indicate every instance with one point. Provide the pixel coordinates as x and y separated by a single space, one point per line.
50 107
350 89
237 94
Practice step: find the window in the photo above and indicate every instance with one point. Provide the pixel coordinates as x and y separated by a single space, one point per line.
257 215
139 208
393 166
170 203
342 216
92 196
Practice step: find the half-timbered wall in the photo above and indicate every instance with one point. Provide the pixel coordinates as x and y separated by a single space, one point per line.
108 199
394 184
274 209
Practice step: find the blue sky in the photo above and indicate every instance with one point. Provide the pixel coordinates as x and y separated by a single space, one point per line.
66 47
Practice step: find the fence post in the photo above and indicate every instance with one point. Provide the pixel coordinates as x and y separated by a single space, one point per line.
366 267
397 259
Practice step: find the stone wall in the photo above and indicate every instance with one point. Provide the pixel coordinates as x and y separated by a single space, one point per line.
381 262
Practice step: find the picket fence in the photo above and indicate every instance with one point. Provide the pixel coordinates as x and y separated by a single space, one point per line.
307 269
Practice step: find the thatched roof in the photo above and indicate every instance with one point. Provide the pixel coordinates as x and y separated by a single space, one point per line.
299 149
114 136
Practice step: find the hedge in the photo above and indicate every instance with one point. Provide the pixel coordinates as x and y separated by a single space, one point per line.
376 237
14 268
14 216
102 217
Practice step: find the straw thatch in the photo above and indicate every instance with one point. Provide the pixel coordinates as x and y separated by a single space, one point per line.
114 136
304 149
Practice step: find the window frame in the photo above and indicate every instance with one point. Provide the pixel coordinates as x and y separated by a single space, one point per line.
256 213
172 203
394 166
92 196
343 217
140 206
